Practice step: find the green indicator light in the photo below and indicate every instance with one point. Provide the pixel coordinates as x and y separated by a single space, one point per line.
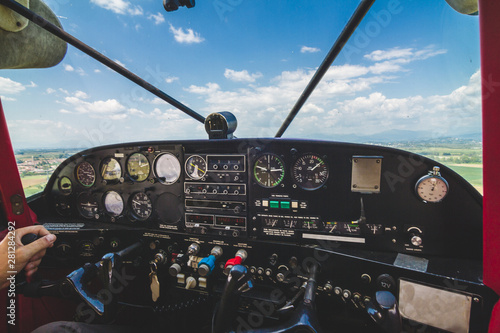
274 204
285 204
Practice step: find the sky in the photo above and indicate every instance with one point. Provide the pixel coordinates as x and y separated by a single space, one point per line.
411 70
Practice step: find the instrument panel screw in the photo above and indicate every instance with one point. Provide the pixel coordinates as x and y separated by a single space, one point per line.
394 240
476 299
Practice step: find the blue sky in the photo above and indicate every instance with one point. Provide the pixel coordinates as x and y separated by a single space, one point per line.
411 66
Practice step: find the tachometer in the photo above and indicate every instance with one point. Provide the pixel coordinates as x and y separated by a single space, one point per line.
88 206
111 170
310 172
167 168
269 170
141 206
138 167
196 167
113 203
85 174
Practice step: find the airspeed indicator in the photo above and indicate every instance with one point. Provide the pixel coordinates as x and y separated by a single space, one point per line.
268 170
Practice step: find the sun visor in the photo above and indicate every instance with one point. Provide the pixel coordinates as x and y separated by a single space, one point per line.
23 44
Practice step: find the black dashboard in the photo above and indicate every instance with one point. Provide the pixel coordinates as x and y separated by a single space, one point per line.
375 218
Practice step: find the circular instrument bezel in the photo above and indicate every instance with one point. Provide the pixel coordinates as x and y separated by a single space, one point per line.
268 157
62 190
426 178
177 166
79 175
134 210
104 169
91 200
130 174
297 171
109 209
186 165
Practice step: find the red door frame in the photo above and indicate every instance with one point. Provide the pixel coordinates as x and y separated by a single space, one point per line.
10 183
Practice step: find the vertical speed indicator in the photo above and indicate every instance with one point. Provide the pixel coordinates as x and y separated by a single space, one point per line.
269 170
310 172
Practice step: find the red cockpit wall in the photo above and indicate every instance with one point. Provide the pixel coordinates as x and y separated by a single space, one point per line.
490 71
10 183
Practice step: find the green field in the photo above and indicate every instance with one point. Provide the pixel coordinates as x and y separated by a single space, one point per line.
33 184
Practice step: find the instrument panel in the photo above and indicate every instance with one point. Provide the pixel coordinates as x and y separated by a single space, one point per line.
297 191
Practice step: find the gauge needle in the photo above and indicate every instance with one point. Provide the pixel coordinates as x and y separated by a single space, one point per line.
276 170
262 168
196 167
317 165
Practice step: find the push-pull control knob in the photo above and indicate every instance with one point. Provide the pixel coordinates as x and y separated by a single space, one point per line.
238 259
181 260
190 283
416 240
206 265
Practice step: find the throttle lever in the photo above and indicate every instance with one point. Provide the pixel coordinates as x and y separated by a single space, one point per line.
385 312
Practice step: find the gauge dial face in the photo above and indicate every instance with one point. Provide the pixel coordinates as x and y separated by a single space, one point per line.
167 168
85 174
113 203
87 206
141 206
269 170
111 170
138 167
65 185
196 167
432 188
310 172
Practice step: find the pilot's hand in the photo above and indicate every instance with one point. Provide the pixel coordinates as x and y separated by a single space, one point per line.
25 256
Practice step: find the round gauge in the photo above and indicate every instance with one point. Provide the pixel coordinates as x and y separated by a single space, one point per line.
269 170
62 205
167 168
432 188
85 174
141 206
87 206
113 203
65 185
138 167
196 167
310 172
111 170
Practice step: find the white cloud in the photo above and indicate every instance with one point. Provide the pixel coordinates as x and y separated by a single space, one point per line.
119 7
348 97
189 37
50 91
120 63
241 76
8 86
171 79
308 49
68 68
110 108
158 18
7 99
396 52
97 70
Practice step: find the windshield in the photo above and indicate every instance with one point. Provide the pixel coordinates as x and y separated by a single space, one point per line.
408 78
